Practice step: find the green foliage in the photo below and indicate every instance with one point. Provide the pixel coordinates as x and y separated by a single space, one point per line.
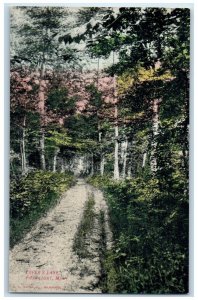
150 229
95 96
87 124
59 102
148 212
85 228
58 138
38 34
31 197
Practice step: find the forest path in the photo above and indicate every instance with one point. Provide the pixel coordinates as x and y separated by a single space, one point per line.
45 261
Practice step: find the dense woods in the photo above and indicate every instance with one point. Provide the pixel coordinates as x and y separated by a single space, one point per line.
103 93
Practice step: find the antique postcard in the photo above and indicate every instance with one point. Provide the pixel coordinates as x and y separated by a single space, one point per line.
99 150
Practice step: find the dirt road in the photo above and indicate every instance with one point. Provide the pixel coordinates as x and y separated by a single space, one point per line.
45 261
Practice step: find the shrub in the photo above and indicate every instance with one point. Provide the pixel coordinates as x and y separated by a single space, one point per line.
150 230
32 196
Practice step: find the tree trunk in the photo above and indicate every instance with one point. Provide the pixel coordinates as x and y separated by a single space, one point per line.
42 147
22 164
153 161
87 164
125 147
116 149
144 159
62 165
102 165
102 159
41 106
23 149
129 171
24 168
92 164
55 159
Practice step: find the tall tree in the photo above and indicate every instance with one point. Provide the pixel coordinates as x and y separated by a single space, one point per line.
41 50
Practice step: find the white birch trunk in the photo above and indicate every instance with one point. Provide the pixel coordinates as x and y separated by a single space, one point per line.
24 171
144 159
100 137
92 165
22 164
129 171
23 149
153 162
62 165
116 149
102 165
87 165
116 153
125 147
41 97
55 159
42 146
102 159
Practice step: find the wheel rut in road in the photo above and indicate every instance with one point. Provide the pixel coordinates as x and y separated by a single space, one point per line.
45 262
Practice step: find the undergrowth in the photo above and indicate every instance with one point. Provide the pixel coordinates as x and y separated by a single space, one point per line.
150 233
31 197
85 228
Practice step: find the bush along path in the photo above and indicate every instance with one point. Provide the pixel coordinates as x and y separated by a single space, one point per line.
65 251
31 196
